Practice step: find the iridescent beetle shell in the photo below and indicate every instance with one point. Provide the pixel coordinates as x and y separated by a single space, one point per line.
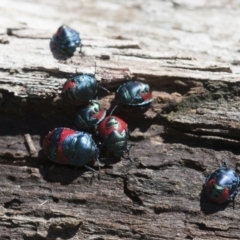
66 40
222 185
66 146
134 93
90 115
114 134
80 89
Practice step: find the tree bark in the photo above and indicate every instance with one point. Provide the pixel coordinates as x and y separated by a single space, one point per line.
187 51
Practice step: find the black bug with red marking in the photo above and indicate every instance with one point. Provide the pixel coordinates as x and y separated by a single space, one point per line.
89 115
114 135
134 93
66 40
80 89
222 185
66 146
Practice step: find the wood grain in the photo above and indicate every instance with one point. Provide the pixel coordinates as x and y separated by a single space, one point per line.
188 52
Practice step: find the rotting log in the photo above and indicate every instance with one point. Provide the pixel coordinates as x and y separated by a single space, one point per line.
191 128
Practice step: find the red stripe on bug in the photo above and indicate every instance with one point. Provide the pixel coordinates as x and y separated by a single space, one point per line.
209 185
224 196
110 124
99 115
67 85
146 96
61 158
58 33
215 195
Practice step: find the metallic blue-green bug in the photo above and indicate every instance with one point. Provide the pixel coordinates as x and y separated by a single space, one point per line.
134 93
114 134
67 146
80 89
89 115
222 185
66 40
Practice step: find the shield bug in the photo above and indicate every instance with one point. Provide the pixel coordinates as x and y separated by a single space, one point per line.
66 146
80 88
114 134
134 93
66 40
89 115
222 185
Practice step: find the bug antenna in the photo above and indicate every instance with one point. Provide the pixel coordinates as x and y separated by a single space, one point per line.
98 164
99 177
104 89
238 181
233 203
113 110
100 145
95 69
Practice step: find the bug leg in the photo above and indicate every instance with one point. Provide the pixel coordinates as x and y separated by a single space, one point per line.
80 51
98 164
89 168
127 152
113 110
225 164
51 168
104 89
127 158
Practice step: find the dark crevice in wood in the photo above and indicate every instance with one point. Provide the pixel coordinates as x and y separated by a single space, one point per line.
11 224
189 237
162 166
7 238
217 69
56 200
34 237
138 211
77 201
177 209
11 178
203 227
13 32
13 204
49 215
173 135
189 163
63 230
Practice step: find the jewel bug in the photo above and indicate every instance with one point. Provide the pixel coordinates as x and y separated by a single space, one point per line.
66 40
114 135
222 185
134 93
67 146
89 115
80 89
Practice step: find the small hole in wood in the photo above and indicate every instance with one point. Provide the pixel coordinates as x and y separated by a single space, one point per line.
56 200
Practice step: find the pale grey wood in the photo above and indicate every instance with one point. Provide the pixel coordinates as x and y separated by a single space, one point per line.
188 52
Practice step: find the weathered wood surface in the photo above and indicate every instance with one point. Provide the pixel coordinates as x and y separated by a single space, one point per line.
188 51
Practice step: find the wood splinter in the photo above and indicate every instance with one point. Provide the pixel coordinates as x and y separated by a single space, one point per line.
30 144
